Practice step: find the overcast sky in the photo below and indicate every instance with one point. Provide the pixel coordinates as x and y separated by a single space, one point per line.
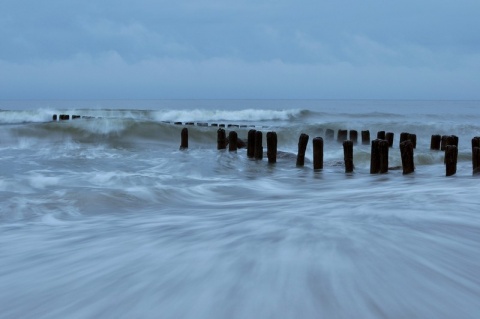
148 49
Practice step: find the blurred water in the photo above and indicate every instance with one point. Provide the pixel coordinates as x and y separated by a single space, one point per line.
106 218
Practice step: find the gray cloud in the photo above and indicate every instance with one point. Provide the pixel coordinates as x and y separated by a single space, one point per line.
239 49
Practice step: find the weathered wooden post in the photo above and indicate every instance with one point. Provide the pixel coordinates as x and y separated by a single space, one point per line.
389 137
450 140
476 142
272 147
317 153
403 137
258 145
342 136
366 137
348 156
406 151
383 152
75 117
302 147
381 135
54 117
251 143
184 140
354 136
435 142
232 141
451 155
375 157
413 139
476 160
221 139
329 134
443 142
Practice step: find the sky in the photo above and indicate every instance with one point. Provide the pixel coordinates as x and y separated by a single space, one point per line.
242 49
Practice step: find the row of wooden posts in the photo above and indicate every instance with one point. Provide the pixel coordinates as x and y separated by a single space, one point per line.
379 149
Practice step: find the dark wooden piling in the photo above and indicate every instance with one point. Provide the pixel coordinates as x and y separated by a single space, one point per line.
375 157
451 155
406 152
221 139
383 153
475 142
329 134
366 137
452 140
476 160
232 141
251 143
258 152
348 156
184 141
403 137
214 124
178 123
443 143
435 142
413 139
272 147
353 136
381 135
389 136
54 117
317 153
64 117
76 117
342 135
302 147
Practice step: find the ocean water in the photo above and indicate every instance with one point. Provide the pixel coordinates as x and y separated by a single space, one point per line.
105 217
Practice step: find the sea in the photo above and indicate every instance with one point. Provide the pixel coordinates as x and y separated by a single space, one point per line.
105 216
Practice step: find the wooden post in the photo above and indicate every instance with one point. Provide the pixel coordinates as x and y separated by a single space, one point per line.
251 144
450 140
403 137
435 142
381 135
232 141
413 139
375 157
54 117
272 147
451 155
258 145
302 147
348 156
342 136
389 137
317 153
366 137
329 134
383 152
184 142
476 160
475 142
354 136
406 151
443 144
221 139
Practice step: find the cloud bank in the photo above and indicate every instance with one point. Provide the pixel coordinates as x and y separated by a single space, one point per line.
239 49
